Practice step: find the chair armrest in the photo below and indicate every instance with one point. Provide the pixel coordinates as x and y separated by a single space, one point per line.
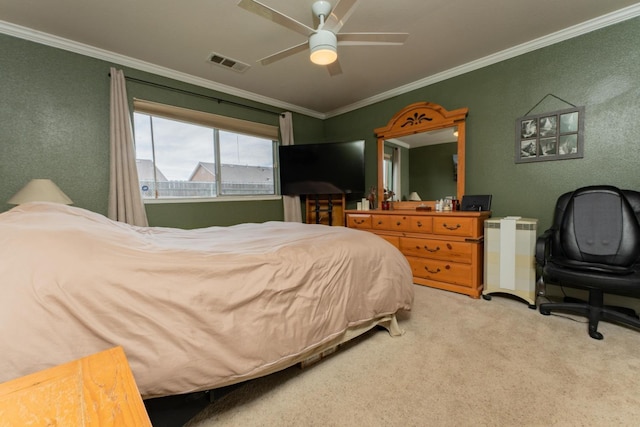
543 247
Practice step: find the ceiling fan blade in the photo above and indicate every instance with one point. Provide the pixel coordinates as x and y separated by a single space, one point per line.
275 16
334 68
339 15
284 53
372 38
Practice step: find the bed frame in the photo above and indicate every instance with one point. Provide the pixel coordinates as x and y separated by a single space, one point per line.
175 411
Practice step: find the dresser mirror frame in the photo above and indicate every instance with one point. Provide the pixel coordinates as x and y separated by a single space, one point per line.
417 118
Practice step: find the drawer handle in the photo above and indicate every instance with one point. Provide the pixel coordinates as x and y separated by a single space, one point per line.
379 222
432 250
419 223
359 221
398 223
455 227
437 270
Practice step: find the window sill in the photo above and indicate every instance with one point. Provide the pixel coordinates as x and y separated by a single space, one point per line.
210 199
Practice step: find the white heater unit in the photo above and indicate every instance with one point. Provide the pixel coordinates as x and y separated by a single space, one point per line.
509 258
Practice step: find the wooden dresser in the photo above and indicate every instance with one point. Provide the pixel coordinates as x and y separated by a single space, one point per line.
444 249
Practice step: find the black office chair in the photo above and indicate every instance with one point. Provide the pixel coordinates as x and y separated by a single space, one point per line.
594 245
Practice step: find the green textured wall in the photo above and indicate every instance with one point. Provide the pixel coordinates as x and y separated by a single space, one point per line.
431 171
55 108
54 122
598 70
196 215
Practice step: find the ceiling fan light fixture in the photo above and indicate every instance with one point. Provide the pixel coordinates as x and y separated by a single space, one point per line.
323 47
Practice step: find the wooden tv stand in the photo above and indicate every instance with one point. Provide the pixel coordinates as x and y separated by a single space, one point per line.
444 249
327 209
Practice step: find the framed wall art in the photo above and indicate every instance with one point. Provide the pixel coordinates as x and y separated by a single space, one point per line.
557 135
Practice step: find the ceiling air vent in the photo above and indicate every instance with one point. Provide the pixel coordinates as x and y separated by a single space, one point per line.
232 64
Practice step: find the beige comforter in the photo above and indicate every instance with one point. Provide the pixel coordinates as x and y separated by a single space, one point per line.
193 309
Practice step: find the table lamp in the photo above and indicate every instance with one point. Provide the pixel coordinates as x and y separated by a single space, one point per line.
414 197
40 190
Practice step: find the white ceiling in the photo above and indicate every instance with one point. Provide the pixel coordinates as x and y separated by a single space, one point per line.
175 38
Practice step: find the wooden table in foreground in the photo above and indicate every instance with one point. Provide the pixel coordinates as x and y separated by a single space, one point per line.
97 390
444 249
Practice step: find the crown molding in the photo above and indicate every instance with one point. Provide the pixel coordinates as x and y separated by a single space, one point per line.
126 61
559 36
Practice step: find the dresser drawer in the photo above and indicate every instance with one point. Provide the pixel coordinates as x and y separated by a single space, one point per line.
442 271
414 224
394 240
436 249
421 224
358 220
391 222
454 226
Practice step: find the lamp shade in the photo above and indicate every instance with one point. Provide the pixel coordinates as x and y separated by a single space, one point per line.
414 197
323 47
40 190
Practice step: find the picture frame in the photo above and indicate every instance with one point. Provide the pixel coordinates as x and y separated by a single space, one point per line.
555 135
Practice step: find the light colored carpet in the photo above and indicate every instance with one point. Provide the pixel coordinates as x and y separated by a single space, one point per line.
461 362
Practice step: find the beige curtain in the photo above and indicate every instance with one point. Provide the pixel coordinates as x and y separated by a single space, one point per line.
125 200
291 204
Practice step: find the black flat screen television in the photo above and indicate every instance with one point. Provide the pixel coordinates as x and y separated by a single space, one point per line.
328 168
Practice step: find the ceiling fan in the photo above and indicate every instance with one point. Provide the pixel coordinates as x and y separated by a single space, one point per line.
322 41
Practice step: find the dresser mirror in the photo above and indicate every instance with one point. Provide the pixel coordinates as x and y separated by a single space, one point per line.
422 150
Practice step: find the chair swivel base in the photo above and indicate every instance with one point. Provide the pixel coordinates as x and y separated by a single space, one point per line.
594 313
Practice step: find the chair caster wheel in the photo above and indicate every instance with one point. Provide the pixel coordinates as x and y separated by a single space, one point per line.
595 335
486 297
545 312
532 306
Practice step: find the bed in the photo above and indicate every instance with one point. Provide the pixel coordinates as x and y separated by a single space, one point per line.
193 309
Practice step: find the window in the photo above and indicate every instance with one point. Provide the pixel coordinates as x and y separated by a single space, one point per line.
391 171
189 154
